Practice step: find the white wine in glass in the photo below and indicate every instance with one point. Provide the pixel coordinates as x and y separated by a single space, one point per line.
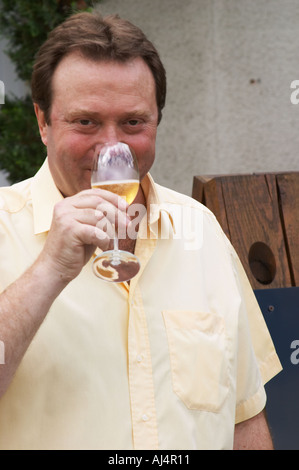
127 189
116 170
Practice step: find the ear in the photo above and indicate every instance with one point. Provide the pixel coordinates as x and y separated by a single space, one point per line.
43 126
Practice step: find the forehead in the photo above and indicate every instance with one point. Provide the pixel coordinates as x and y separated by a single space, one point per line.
78 74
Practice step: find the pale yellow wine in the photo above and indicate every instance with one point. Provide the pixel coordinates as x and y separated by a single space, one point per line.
127 189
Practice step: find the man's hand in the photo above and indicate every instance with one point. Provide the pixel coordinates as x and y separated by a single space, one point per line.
80 224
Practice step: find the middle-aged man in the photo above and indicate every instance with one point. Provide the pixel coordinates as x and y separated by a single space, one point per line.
175 359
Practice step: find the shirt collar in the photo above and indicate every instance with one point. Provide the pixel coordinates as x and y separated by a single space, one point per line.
160 218
45 195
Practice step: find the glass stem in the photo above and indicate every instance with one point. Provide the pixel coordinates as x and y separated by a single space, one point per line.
116 254
115 243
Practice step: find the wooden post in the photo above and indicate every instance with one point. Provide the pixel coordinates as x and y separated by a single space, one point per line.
288 187
260 215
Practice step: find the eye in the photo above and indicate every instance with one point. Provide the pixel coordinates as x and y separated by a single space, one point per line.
133 122
85 122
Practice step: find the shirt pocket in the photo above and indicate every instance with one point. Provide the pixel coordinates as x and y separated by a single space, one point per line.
198 358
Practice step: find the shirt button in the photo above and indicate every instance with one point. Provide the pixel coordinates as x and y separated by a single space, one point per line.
144 417
139 358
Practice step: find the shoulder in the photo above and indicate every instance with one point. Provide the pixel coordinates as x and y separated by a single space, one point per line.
14 198
187 205
167 195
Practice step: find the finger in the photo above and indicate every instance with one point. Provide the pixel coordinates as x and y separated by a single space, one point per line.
87 215
106 220
100 221
104 229
116 200
113 214
93 235
90 196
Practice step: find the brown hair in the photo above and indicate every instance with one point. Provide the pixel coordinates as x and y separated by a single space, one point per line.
97 38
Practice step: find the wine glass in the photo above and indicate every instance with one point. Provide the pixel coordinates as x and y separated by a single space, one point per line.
116 170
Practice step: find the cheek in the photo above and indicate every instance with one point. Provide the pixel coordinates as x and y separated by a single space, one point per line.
149 153
144 147
67 148
65 153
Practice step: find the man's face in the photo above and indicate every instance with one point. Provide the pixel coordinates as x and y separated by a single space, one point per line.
94 103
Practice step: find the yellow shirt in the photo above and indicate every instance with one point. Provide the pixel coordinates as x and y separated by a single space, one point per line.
165 363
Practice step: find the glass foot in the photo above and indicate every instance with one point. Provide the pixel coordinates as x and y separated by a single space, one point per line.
116 266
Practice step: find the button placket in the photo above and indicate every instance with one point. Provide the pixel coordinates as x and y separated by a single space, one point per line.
139 358
141 378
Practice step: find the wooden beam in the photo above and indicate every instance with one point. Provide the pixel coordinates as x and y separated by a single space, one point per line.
248 210
288 189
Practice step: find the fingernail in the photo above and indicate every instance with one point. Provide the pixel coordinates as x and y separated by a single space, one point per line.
99 214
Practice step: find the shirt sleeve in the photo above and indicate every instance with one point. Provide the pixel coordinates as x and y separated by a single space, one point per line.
257 358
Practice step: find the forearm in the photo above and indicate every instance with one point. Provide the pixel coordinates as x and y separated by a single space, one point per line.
253 434
23 307
70 243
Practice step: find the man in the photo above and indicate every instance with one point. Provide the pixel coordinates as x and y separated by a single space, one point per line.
171 360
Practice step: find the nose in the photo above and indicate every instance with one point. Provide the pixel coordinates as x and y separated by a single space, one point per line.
110 134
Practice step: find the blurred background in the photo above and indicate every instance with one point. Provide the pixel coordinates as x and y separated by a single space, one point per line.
230 64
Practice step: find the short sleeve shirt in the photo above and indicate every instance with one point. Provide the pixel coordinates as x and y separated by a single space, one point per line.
171 361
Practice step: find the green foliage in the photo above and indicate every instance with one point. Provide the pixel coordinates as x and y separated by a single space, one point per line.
26 25
21 149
